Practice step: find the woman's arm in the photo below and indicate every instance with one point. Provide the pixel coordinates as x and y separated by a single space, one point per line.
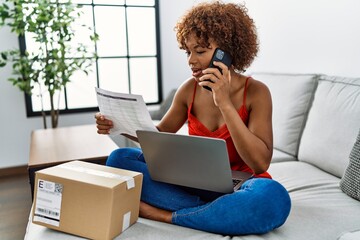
254 142
176 116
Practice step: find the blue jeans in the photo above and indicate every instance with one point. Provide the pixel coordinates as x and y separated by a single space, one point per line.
259 206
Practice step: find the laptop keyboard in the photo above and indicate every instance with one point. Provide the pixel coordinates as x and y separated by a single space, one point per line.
236 181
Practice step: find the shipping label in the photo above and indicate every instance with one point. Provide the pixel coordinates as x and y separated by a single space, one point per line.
48 202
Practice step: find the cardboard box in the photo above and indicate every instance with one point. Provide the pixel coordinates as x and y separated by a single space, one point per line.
86 199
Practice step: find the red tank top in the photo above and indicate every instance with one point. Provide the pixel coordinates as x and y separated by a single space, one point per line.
198 129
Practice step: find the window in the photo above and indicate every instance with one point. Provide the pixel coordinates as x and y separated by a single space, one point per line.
128 55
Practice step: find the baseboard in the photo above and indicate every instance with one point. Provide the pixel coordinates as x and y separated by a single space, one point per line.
13 171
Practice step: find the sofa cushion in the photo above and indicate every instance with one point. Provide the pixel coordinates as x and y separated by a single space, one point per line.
332 124
350 182
291 95
320 210
279 156
355 235
143 229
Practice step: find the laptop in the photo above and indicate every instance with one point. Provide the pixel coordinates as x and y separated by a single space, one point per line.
191 161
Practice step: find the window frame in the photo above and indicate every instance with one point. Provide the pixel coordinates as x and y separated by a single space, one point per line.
28 101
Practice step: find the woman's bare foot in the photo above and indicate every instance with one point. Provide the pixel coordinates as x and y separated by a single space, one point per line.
153 213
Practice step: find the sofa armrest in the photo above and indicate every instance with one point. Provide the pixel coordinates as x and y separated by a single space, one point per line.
158 111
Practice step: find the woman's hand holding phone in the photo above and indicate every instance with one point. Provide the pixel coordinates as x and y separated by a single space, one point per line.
220 56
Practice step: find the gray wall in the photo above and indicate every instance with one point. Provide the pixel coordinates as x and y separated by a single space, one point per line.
306 36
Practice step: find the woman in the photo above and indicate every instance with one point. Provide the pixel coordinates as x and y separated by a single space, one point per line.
238 109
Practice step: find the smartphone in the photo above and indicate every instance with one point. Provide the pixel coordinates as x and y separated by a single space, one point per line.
219 56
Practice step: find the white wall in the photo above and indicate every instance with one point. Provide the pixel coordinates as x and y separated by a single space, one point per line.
307 36
312 36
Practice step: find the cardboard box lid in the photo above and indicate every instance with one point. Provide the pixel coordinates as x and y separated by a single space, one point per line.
91 173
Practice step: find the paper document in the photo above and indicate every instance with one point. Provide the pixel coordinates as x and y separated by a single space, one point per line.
128 112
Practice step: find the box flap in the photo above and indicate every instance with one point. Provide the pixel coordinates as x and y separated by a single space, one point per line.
92 174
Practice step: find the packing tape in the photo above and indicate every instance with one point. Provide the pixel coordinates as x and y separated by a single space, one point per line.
126 221
130 182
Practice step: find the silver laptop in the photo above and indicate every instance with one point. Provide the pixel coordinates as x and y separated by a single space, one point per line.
191 161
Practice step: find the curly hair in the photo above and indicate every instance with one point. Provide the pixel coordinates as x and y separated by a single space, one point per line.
228 25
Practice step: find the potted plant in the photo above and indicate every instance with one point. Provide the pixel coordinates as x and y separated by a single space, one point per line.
50 24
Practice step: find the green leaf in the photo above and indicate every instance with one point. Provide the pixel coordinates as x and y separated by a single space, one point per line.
4 55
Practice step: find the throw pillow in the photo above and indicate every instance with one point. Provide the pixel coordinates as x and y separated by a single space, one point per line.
350 182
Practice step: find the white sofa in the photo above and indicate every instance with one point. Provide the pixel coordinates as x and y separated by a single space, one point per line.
316 120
